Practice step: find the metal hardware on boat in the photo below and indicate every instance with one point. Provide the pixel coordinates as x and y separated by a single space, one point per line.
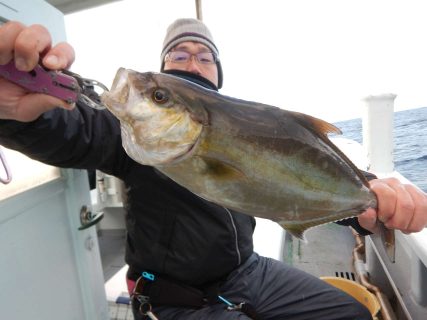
145 307
88 94
386 310
88 220
389 243
6 168
89 243
151 315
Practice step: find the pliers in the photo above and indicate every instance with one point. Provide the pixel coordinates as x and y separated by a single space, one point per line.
65 85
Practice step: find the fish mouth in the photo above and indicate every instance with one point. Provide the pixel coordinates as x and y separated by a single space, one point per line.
186 154
118 96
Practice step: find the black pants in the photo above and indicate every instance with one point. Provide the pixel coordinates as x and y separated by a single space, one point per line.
276 291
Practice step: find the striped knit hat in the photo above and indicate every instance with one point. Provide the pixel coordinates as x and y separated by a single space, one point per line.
189 30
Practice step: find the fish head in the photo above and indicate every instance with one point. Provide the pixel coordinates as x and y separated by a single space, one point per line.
160 122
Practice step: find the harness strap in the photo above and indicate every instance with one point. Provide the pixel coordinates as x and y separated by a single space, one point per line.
154 290
169 293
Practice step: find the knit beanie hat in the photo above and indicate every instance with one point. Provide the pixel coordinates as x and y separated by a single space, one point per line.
189 30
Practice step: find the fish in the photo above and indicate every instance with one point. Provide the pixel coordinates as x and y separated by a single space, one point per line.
250 157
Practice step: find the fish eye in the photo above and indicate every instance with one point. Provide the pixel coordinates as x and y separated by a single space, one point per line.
160 96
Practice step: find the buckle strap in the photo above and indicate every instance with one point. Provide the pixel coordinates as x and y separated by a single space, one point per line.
162 292
152 290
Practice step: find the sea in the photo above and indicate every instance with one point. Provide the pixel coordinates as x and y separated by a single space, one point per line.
410 142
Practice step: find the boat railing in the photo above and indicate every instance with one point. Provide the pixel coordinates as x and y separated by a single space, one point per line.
397 262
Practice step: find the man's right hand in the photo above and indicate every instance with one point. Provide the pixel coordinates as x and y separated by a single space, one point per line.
29 46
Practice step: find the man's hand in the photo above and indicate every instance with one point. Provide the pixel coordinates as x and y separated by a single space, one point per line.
400 206
29 46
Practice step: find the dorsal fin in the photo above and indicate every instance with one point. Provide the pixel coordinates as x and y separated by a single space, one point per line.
322 127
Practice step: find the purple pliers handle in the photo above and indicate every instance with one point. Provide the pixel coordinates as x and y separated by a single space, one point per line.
53 83
64 85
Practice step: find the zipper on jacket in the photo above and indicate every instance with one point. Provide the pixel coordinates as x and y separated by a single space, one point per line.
239 259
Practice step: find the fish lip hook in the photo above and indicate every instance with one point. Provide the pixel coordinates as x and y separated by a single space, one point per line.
6 168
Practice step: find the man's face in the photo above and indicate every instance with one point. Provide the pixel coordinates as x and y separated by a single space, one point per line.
206 70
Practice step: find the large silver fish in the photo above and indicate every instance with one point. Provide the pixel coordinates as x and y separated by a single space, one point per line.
250 157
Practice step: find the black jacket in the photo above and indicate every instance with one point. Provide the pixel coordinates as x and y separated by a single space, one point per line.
170 231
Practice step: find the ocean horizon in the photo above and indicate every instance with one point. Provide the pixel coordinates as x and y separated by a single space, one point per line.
410 142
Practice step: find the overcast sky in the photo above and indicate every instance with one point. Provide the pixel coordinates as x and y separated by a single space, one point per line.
312 56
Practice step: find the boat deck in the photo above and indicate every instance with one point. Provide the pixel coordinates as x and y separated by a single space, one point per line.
112 249
327 252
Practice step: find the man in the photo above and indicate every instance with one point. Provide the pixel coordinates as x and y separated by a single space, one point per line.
188 245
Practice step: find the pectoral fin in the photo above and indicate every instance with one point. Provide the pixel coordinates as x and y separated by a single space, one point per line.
218 169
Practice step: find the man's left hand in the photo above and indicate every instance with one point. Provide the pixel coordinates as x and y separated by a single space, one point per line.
400 206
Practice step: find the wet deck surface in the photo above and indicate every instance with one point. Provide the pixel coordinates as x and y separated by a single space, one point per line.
120 311
112 249
327 252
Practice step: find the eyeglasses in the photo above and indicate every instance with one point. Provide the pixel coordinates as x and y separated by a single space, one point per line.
184 57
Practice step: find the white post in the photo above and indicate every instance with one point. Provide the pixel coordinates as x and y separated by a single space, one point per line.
377 123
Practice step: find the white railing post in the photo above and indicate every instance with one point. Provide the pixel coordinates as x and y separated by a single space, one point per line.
377 124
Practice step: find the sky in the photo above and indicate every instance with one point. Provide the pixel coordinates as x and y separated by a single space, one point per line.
317 57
